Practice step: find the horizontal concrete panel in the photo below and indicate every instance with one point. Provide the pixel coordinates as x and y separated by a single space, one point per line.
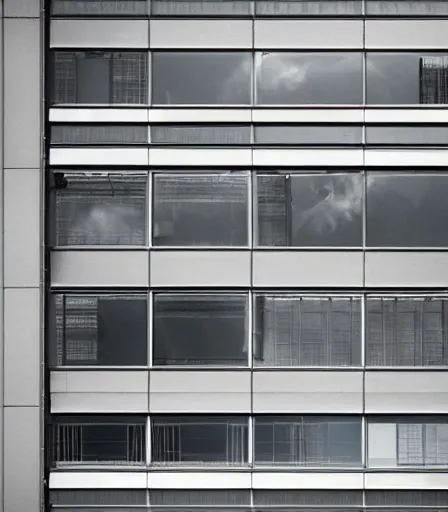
99 34
198 157
200 34
200 392
21 8
307 115
99 268
200 268
403 481
99 156
405 34
99 381
307 392
290 269
303 480
406 269
407 115
406 392
406 158
199 480
183 115
98 115
301 34
98 480
307 157
99 403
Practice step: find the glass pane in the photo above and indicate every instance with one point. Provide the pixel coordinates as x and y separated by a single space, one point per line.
208 210
323 498
308 441
200 7
407 135
406 498
197 135
307 7
407 210
310 210
100 330
98 497
199 440
200 330
193 78
99 134
100 208
200 497
407 78
300 331
99 7
93 79
407 7
307 135
309 78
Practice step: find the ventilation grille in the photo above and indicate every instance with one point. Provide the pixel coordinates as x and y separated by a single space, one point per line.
87 497
307 498
197 135
200 7
407 498
99 134
99 7
177 498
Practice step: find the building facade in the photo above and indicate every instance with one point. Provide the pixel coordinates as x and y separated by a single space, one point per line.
224 266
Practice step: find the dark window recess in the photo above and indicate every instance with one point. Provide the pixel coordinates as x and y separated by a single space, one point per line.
97 497
199 440
100 209
308 7
309 210
200 330
98 134
100 77
99 7
101 330
98 440
407 332
319 441
407 210
320 498
200 7
202 210
200 497
201 134
407 135
406 7
406 498
307 135
300 331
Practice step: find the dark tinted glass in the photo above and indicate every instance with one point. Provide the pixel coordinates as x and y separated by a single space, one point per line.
200 7
202 78
99 7
407 135
309 78
97 497
294 498
407 78
308 135
199 497
407 7
201 134
407 210
100 330
307 7
406 498
310 210
200 330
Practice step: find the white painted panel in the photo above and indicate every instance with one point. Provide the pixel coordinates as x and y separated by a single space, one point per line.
307 34
99 381
98 115
303 480
199 480
200 33
99 268
99 156
405 115
405 34
97 480
406 392
381 445
301 392
183 115
58 382
22 8
99 403
307 115
403 481
198 157
308 157
99 34
290 269
406 158
200 268
200 392
406 269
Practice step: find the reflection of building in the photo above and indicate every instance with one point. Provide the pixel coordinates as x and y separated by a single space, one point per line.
224 255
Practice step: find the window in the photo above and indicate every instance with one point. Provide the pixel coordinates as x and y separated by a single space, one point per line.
202 210
199 440
114 440
100 208
407 331
308 441
407 135
407 441
407 210
200 7
119 77
308 135
201 134
295 498
86 497
100 330
407 78
200 329
199 497
96 134
407 7
99 7
307 7
198 78
307 331
309 78
309 210
406 498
